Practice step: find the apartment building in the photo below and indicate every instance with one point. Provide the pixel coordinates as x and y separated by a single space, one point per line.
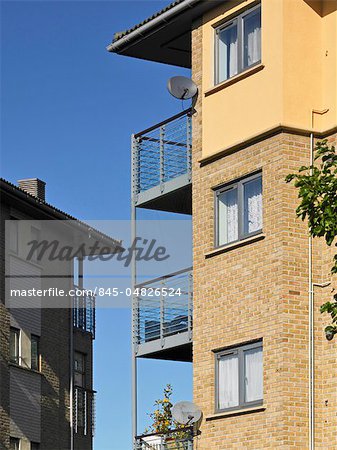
264 373
47 397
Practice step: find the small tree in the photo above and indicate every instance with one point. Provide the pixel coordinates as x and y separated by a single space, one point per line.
317 189
163 422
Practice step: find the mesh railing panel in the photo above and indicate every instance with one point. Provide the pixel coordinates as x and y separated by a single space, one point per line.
164 307
162 153
84 411
84 314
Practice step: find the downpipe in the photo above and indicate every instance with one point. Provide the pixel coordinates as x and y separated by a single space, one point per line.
311 343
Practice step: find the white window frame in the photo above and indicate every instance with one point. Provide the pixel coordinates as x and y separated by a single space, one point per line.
238 20
33 238
83 372
239 185
13 226
18 440
37 338
18 332
240 352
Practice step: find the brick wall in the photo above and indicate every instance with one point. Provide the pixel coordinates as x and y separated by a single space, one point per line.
260 290
4 340
54 328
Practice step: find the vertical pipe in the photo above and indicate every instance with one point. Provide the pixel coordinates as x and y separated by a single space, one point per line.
162 315
134 176
80 273
71 393
189 146
161 157
71 359
311 305
85 412
189 306
311 325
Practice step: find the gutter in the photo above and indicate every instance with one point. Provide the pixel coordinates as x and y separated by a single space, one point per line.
146 28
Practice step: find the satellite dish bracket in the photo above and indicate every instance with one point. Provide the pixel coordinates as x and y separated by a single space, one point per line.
183 88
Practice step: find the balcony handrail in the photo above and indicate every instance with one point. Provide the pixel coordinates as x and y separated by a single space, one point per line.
164 277
84 412
164 122
162 154
80 388
84 312
157 315
168 432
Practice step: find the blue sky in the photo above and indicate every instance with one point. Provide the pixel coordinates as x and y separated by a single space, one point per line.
68 109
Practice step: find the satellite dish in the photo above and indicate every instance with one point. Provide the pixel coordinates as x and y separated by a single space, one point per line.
182 88
187 413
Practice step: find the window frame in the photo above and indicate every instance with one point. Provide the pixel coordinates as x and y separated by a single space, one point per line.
17 332
239 185
238 20
37 339
34 445
33 238
13 222
240 351
83 372
14 440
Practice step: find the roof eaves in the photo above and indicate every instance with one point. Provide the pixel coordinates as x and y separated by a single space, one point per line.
119 34
124 39
59 213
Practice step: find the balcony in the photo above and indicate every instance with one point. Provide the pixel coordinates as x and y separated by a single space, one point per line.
181 439
84 411
84 314
162 165
163 317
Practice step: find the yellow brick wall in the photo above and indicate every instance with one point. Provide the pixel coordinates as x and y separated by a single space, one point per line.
260 290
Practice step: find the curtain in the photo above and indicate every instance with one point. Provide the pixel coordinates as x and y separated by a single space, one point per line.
252 38
228 52
227 217
228 381
253 205
253 375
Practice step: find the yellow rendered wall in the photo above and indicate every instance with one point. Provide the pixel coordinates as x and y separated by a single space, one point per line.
329 56
298 74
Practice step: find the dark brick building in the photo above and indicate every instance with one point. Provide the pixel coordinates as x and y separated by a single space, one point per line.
47 398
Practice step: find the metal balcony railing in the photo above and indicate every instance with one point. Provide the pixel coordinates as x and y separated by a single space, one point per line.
162 153
164 307
84 411
84 313
181 439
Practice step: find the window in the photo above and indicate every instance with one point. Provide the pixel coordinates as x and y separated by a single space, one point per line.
238 44
238 210
14 345
14 443
76 271
35 352
34 446
13 235
79 369
239 377
35 235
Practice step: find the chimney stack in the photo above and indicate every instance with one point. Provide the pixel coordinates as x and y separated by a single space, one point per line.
34 186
